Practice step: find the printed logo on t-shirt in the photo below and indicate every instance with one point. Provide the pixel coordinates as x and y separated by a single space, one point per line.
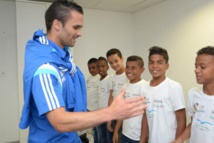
211 116
128 95
147 100
91 85
198 108
116 87
102 90
149 111
119 85
203 125
158 103
113 84
88 81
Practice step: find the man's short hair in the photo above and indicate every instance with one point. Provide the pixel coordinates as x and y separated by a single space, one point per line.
60 10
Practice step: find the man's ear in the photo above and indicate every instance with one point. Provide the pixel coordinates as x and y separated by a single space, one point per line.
57 25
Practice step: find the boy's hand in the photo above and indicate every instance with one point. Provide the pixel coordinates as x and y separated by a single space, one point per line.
177 141
109 126
115 137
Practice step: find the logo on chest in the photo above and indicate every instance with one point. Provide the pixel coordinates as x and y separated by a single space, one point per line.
198 108
158 103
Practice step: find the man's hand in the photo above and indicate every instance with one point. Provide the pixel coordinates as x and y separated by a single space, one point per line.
125 108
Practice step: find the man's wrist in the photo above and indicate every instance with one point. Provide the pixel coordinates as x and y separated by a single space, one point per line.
109 116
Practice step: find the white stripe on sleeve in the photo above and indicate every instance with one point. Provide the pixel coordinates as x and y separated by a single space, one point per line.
47 87
45 93
53 92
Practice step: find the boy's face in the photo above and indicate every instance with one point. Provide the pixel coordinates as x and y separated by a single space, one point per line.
115 62
102 67
157 66
133 71
204 69
92 69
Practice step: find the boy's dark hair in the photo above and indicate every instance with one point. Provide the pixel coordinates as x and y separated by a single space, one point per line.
60 10
209 50
113 51
102 59
136 59
160 51
92 60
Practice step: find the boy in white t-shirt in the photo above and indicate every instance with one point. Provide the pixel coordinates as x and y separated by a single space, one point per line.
131 128
201 101
103 96
92 90
92 85
165 115
117 80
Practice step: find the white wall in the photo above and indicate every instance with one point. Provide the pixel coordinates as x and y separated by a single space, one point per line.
8 73
102 31
29 18
180 26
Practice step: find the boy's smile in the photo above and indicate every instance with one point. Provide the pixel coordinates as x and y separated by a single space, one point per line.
157 66
116 63
92 69
102 67
133 71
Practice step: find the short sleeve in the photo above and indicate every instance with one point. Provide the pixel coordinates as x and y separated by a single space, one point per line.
177 97
190 105
47 89
110 82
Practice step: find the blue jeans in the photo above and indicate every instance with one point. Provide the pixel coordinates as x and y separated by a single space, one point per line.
102 133
125 139
95 134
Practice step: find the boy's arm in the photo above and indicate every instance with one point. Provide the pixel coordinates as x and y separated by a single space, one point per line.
110 99
116 130
144 129
181 121
185 135
109 103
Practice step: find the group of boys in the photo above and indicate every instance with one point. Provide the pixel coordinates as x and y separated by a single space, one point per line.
55 94
105 88
164 120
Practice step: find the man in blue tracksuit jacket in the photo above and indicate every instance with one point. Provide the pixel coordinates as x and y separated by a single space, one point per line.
54 87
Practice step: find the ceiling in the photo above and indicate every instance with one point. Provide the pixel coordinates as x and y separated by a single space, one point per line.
114 5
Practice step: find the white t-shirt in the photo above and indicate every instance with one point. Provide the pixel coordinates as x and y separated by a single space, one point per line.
201 109
117 82
103 92
163 100
92 92
132 127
